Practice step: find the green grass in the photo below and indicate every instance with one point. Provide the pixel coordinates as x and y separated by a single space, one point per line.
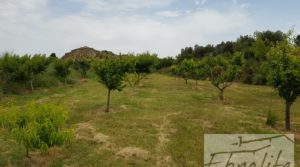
163 108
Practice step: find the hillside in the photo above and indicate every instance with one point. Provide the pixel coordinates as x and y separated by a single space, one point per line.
87 52
161 123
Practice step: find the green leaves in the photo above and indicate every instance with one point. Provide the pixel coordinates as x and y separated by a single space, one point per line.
285 70
62 68
36 126
284 74
222 72
111 72
145 63
82 66
16 69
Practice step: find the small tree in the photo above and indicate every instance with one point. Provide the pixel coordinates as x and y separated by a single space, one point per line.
285 74
144 64
13 69
111 73
221 73
36 126
186 69
199 71
35 65
62 69
82 66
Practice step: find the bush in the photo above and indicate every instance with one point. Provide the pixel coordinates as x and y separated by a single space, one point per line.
36 126
271 119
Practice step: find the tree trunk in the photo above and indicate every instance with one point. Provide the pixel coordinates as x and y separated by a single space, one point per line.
287 115
186 81
221 94
108 101
31 85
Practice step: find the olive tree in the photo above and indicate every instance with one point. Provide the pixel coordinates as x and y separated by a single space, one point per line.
221 73
36 126
285 74
111 73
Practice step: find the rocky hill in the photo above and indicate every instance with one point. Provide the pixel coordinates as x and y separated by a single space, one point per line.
87 52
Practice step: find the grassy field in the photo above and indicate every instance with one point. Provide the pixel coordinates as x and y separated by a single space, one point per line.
161 123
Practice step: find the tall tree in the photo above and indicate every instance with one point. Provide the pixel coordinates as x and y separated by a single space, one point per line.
285 74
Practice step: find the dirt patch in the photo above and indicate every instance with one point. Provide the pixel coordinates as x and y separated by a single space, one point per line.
87 132
163 132
134 152
100 138
207 124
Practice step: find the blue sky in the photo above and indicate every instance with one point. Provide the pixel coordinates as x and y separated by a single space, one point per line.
159 26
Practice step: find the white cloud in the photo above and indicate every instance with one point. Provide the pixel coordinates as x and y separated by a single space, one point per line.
200 2
244 5
122 5
31 30
169 13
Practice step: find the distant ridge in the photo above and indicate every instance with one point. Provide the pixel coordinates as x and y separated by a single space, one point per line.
87 52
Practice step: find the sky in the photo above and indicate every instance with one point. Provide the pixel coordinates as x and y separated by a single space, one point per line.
122 26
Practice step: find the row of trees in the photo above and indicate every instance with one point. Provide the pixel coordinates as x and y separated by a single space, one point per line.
41 126
115 72
218 70
24 70
281 69
250 51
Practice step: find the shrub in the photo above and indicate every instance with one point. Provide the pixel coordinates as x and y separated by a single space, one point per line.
271 119
36 126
